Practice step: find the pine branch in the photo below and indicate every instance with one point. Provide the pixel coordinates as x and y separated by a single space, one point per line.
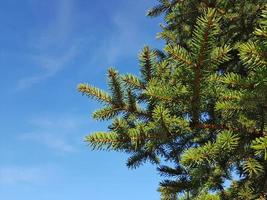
159 9
181 55
227 141
260 146
103 140
139 158
94 92
133 81
131 102
147 59
252 55
135 137
252 167
262 31
204 34
220 55
166 92
115 87
170 172
106 113
167 194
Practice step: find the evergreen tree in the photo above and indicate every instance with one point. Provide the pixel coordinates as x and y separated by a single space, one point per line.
199 104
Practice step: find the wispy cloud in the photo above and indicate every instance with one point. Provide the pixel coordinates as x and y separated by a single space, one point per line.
54 132
25 175
126 37
59 30
53 49
49 65
125 40
49 140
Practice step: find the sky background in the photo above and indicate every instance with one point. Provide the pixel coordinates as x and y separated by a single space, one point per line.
47 48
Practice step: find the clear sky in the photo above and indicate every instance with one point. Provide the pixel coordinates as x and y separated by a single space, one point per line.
47 48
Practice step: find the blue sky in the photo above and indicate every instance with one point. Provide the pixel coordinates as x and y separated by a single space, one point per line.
47 48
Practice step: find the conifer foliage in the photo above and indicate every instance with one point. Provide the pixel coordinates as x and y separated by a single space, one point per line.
199 104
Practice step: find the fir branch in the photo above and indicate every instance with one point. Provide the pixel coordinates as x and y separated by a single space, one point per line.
133 81
169 171
252 167
181 55
262 31
227 141
147 59
106 113
167 194
141 157
131 102
104 140
94 92
115 87
206 29
260 146
220 55
162 91
236 81
252 55
164 6
136 137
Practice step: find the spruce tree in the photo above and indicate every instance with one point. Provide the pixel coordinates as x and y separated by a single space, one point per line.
199 104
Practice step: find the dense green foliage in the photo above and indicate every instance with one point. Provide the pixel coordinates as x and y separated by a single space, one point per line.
199 105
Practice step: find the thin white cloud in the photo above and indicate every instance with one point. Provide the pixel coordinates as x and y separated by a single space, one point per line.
126 37
58 32
125 41
55 132
53 49
49 140
50 65
25 175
